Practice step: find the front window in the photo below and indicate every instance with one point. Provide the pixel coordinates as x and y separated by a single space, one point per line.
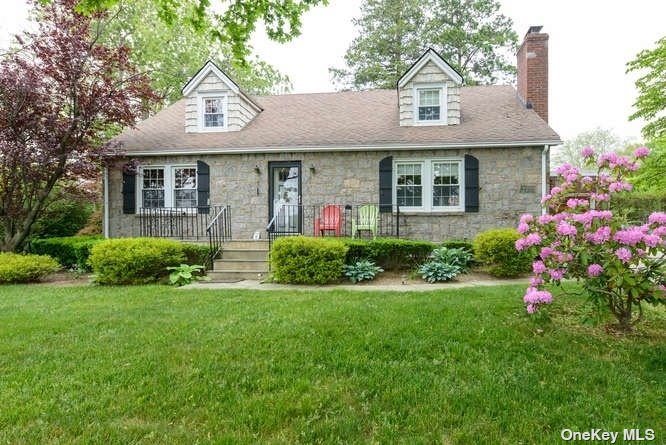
185 187
409 190
429 107
153 187
429 185
445 184
168 187
213 113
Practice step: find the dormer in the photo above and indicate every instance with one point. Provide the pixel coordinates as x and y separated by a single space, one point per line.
215 103
429 92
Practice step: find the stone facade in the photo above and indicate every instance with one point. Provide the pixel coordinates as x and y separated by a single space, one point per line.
430 74
239 111
510 184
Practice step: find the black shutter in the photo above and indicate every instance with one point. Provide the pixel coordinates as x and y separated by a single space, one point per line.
203 187
386 184
471 184
129 193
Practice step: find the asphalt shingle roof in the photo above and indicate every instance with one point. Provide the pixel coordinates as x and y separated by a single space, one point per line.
490 114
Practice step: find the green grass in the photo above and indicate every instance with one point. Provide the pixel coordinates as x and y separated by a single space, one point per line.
153 364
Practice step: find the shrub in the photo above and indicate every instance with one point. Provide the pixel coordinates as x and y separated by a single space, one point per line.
621 266
304 260
459 244
71 252
94 226
496 249
196 253
63 218
458 257
134 260
15 268
389 253
362 270
637 206
434 271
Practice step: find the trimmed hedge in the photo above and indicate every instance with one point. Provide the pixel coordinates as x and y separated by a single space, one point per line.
496 249
305 260
196 253
15 268
134 260
389 253
71 251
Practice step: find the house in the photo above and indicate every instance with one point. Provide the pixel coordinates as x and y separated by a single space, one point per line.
441 160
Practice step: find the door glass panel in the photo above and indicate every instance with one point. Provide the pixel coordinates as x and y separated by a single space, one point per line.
286 198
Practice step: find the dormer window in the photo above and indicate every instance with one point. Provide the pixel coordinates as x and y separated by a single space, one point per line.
212 112
430 104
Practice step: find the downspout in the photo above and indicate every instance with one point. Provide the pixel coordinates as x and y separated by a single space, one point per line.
106 202
544 174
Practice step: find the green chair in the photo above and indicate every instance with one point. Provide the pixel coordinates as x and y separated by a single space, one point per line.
367 219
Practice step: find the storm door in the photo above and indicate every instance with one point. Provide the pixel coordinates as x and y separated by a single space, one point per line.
284 196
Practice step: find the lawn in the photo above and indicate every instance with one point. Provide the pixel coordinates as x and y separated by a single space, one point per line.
158 365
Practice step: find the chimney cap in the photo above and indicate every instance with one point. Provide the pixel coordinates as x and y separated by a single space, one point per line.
534 29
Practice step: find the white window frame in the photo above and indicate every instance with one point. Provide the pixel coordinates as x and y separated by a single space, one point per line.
443 109
201 105
169 185
427 176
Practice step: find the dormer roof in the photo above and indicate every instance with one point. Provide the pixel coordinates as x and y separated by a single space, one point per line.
208 68
430 56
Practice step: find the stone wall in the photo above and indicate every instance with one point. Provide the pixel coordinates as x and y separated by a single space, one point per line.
239 111
510 184
430 73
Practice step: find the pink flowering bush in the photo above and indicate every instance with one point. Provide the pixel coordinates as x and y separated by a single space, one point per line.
621 266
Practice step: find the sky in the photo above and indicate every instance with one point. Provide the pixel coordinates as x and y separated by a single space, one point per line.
590 43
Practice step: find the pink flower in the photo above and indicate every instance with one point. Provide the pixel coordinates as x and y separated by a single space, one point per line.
601 235
555 190
618 186
657 218
623 254
556 274
630 237
660 231
652 240
535 296
545 252
523 228
545 219
566 229
536 281
594 270
641 152
599 196
526 218
572 203
587 180
587 152
538 267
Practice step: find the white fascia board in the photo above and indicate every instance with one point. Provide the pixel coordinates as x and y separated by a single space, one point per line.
342 148
430 56
208 68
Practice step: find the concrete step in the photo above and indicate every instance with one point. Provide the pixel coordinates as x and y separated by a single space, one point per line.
245 244
240 264
245 254
236 275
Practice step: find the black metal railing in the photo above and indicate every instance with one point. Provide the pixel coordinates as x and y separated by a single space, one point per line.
219 231
188 224
337 220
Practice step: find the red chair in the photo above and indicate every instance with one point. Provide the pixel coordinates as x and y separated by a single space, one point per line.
330 220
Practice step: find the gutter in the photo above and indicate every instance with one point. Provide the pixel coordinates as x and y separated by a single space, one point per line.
342 148
106 202
544 174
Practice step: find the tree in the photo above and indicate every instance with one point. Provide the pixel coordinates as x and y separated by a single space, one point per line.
172 52
651 102
601 139
650 175
472 35
390 41
234 24
59 96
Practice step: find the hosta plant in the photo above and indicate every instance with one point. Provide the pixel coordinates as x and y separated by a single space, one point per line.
435 271
456 256
620 265
362 270
185 274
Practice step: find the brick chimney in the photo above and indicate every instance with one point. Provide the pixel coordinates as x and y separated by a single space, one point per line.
533 71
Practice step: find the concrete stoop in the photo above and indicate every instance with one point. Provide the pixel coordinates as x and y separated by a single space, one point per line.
241 260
